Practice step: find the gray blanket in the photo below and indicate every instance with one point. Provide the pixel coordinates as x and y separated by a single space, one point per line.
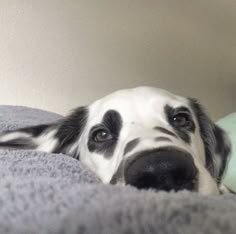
54 193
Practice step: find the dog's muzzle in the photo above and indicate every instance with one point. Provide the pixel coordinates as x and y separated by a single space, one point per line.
162 169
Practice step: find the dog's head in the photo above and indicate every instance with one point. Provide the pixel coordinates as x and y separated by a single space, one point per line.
145 137
150 138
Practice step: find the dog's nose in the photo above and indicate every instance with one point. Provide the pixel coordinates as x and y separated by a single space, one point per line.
162 169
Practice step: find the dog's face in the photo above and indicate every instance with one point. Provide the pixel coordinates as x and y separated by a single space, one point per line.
150 138
145 137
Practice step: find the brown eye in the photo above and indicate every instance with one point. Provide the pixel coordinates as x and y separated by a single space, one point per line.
181 120
102 135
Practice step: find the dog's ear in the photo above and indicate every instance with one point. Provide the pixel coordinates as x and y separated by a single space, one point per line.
69 131
24 138
54 138
216 142
222 149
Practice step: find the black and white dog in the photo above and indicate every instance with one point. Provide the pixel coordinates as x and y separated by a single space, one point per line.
145 137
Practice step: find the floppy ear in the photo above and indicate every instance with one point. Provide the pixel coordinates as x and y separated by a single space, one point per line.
69 131
216 142
222 149
24 138
54 138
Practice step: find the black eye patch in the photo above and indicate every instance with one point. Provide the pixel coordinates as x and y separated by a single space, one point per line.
182 127
112 123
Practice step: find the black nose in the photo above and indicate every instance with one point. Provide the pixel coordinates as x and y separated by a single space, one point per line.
162 169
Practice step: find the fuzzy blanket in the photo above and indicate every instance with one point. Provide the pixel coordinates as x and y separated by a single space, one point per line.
54 193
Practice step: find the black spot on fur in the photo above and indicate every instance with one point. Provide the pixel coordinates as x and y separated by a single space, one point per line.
162 139
182 132
131 145
70 128
112 121
119 174
163 130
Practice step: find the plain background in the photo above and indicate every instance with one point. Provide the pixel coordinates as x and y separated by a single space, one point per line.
57 55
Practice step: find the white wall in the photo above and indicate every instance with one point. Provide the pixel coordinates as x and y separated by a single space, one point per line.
57 55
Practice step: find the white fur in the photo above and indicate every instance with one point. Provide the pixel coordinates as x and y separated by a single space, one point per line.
47 142
13 135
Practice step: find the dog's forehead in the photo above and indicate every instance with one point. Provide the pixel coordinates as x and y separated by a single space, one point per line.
138 102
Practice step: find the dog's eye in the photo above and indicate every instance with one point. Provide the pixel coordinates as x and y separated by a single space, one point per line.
182 119
102 135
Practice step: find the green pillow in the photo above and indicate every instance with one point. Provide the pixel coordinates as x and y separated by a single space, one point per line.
228 123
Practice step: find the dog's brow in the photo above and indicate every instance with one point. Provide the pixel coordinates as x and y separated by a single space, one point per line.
163 130
183 109
130 145
162 139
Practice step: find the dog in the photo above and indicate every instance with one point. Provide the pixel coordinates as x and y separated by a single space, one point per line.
145 137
